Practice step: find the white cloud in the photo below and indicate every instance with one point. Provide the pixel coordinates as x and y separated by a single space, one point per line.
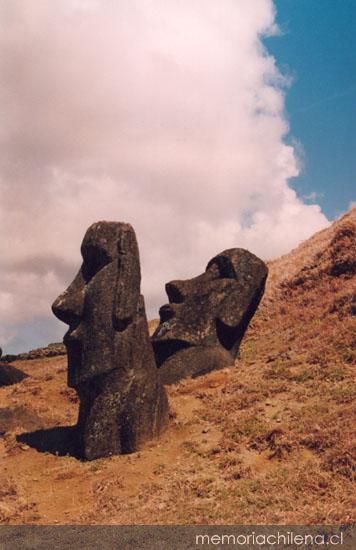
165 114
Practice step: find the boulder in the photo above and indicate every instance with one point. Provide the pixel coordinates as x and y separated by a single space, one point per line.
10 375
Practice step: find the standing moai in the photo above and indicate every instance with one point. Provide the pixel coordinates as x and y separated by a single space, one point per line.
202 326
111 362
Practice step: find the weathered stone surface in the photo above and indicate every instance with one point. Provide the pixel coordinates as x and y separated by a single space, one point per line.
202 326
10 375
110 358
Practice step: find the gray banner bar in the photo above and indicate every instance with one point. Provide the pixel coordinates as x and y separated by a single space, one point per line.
177 537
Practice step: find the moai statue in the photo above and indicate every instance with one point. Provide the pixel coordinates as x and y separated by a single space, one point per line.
202 326
111 362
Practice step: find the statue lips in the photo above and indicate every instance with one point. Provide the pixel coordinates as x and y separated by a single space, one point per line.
172 335
184 319
170 327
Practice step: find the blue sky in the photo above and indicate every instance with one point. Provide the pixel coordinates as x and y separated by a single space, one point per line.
318 48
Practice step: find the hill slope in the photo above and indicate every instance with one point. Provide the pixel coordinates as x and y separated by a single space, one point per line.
268 441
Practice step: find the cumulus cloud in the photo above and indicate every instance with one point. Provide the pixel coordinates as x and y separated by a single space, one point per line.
168 115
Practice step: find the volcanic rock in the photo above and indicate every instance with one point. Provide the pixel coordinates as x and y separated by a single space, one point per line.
52 350
202 326
110 358
10 375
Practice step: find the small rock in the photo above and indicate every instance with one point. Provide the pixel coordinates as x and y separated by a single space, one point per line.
317 428
215 450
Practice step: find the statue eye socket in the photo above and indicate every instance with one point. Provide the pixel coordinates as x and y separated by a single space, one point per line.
95 259
174 294
223 268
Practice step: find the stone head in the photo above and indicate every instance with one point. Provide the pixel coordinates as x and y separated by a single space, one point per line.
101 301
213 309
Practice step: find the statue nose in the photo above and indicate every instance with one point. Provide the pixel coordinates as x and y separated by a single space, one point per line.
69 305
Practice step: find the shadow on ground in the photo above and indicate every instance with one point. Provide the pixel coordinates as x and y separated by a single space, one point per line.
59 441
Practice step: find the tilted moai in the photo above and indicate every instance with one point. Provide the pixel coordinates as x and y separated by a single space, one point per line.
111 362
202 326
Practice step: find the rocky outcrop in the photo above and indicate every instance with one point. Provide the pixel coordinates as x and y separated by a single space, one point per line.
202 326
110 358
39 353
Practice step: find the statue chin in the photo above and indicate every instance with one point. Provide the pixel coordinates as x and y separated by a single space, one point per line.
194 361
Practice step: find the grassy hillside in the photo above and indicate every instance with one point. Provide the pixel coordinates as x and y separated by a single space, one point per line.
271 440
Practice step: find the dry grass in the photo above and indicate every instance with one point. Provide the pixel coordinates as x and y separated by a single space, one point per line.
269 441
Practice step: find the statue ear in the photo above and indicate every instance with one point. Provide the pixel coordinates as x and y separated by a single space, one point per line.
235 313
127 290
232 309
241 304
127 282
248 274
